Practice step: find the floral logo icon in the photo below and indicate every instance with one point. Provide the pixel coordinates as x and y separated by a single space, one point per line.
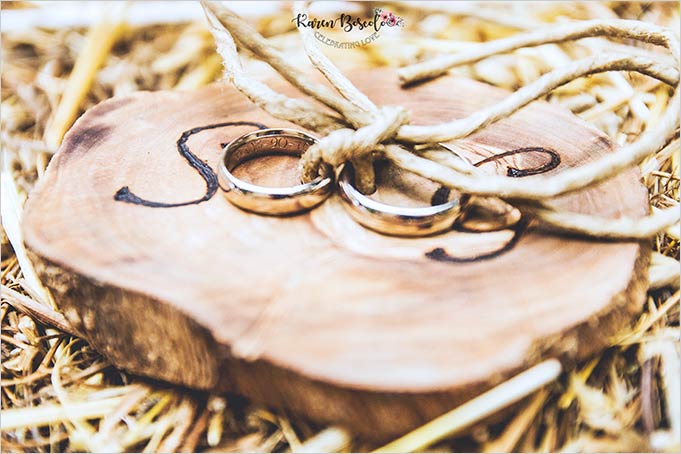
389 19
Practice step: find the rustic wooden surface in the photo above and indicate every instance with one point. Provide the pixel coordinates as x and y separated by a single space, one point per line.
314 313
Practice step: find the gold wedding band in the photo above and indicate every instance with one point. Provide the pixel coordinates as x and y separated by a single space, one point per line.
271 200
393 220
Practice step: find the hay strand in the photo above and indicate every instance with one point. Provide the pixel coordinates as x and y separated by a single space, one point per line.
475 409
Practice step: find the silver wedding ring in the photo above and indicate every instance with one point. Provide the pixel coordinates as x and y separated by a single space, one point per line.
394 220
271 200
278 201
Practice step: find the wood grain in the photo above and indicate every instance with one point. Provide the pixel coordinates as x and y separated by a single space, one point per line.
314 313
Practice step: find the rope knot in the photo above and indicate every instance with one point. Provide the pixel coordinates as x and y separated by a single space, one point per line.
346 144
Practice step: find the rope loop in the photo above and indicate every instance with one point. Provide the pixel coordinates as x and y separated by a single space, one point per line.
343 145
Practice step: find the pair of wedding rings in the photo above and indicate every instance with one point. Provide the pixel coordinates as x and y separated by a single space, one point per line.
378 216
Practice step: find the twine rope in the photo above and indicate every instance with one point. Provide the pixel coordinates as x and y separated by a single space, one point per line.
613 28
356 127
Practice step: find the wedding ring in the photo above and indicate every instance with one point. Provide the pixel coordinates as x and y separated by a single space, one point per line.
275 201
394 220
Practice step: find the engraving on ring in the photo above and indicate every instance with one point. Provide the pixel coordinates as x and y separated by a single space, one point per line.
265 200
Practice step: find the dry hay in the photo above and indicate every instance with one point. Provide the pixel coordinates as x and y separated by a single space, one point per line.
60 395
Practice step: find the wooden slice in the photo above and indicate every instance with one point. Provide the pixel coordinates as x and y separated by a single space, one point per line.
314 313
